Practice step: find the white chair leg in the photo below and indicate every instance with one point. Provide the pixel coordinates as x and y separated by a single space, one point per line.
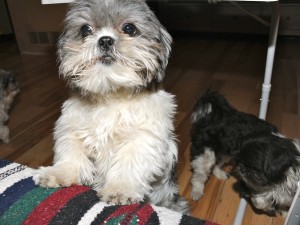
239 216
266 87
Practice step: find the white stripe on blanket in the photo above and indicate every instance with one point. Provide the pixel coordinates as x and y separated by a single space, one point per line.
167 216
91 214
14 178
9 167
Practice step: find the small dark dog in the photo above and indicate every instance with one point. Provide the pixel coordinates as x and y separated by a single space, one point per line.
267 164
8 90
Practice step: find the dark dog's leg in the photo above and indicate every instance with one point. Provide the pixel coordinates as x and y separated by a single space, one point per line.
4 134
219 172
201 169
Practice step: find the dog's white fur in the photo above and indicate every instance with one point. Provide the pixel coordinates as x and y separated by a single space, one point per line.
129 140
202 166
116 131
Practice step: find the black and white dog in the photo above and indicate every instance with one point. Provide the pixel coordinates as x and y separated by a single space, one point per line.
267 163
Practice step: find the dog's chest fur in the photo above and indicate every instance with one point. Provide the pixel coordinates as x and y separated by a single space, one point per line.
101 129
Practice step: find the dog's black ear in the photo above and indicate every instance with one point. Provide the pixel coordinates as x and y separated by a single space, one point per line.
165 40
281 154
275 167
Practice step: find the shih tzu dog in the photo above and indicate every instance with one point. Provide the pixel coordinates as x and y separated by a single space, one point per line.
116 131
8 90
266 163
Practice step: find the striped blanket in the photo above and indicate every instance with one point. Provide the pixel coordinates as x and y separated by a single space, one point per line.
22 202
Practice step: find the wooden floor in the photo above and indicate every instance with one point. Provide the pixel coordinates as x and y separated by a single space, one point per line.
235 67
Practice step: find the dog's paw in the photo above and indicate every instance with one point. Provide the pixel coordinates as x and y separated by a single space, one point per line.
49 177
4 134
119 196
46 181
5 140
220 174
281 213
197 193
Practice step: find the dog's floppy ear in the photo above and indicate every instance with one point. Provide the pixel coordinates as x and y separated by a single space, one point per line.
279 158
275 167
166 40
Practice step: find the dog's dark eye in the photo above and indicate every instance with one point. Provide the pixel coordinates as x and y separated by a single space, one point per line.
129 28
86 30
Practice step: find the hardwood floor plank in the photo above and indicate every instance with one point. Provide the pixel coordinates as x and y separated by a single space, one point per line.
228 204
290 125
206 207
252 218
38 154
278 221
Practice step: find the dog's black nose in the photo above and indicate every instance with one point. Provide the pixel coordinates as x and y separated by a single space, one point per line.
106 42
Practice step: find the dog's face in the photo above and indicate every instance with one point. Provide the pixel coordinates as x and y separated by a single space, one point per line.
264 162
109 45
9 87
268 168
253 177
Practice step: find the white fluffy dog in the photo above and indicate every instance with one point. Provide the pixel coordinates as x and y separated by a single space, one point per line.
116 130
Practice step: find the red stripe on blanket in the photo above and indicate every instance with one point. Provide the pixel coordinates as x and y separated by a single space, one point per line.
144 213
47 209
130 211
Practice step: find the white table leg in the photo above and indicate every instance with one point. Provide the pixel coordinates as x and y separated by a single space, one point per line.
239 216
266 88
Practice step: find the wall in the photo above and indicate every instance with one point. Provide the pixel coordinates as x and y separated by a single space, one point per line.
180 15
36 26
5 26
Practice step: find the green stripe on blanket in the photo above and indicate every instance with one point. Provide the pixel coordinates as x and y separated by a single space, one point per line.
19 211
22 202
